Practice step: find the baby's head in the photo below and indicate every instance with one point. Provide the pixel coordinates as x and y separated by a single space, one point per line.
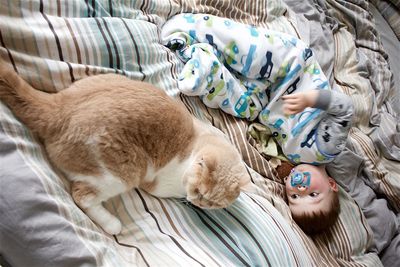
313 198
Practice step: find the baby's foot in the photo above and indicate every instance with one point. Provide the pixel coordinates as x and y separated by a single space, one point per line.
199 70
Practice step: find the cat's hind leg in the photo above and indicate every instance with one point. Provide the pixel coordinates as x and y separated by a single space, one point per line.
90 198
105 219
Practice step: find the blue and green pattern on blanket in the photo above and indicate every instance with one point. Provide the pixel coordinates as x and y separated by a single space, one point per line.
245 70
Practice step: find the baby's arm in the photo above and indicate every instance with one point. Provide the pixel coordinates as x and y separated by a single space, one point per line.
335 103
297 102
206 76
334 127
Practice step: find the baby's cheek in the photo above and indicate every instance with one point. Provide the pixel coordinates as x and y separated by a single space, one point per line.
318 184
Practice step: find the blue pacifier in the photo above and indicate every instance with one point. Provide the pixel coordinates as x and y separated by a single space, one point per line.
300 179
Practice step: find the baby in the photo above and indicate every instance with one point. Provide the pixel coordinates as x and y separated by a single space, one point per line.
312 194
256 73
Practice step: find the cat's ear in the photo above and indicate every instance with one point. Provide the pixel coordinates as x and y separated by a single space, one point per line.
207 162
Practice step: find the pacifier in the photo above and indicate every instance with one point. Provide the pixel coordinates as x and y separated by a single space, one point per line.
300 179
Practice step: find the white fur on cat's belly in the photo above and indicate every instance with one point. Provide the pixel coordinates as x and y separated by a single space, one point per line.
169 183
169 179
106 184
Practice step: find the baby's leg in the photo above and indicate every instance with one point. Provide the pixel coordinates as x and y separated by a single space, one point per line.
204 75
199 70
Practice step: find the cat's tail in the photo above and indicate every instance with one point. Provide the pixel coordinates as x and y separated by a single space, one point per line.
33 107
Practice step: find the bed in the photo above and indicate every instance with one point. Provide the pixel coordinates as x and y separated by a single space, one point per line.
54 43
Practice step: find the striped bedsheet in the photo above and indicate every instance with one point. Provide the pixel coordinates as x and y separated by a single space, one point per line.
54 43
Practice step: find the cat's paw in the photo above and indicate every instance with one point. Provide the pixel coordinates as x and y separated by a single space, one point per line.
113 226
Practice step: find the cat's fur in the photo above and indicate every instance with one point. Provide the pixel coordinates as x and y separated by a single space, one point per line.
110 134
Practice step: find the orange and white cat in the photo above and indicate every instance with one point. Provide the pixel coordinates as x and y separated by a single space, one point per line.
110 134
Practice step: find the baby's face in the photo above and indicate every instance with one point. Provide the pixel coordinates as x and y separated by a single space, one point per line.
309 188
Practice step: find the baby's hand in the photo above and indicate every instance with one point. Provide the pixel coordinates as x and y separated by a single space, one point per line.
297 102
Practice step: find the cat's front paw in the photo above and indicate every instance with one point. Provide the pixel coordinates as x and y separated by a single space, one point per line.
113 226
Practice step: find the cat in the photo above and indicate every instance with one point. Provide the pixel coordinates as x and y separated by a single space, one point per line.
109 134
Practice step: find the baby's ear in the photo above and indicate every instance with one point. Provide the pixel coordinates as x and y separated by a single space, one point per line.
333 184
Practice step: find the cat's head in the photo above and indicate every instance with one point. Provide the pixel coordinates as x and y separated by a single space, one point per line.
217 174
